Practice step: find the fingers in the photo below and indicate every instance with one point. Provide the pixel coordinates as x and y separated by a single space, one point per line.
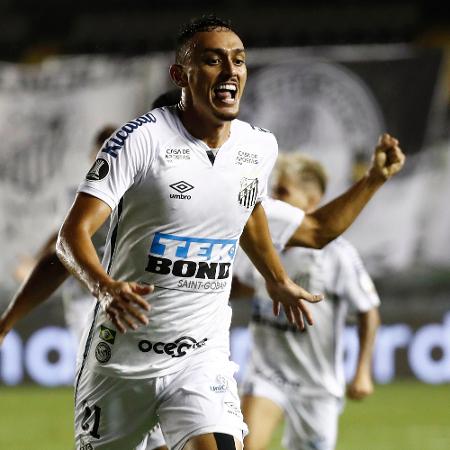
298 317
289 314
389 157
312 298
307 314
124 305
276 308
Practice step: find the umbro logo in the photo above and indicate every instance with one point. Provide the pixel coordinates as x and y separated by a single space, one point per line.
182 187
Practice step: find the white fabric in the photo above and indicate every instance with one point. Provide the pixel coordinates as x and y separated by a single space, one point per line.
312 359
155 438
176 224
202 398
283 220
311 421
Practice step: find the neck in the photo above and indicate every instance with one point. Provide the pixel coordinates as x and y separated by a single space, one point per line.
214 133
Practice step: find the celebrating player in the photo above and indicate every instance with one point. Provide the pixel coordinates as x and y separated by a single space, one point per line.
181 197
300 375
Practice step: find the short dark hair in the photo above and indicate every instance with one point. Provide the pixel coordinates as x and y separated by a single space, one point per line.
169 98
104 133
207 22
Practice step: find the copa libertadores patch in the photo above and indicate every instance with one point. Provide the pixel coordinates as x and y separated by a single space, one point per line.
99 170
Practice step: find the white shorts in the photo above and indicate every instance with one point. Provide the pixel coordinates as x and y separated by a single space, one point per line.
117 413
311 420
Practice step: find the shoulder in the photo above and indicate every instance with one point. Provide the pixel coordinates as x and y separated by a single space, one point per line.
140 131
276 209
251 131
345 252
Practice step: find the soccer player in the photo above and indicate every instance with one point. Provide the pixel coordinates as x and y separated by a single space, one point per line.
300 375
181 196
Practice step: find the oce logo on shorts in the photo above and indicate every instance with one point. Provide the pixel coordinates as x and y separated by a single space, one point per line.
103 352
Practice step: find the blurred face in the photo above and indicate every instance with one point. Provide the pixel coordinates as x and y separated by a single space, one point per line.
215 74
305 196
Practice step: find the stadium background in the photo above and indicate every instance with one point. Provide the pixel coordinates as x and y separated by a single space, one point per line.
326 78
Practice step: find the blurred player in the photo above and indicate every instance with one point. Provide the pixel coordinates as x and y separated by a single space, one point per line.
46 273
300 375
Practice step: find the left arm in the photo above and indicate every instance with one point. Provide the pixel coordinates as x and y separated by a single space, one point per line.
331 220
362 384
257 244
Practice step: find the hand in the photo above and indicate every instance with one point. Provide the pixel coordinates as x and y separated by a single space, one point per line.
360 387
388 158
2 337
5 328
293 298
123 304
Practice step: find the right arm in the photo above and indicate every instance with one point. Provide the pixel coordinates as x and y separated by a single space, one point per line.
47 275
121 300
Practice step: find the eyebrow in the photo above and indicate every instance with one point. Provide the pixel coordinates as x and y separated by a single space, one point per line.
221 50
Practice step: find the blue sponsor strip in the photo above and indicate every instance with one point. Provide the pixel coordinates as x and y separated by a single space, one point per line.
158 248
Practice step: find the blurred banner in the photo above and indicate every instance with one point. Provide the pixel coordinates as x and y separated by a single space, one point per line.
332 103
46 355
48 118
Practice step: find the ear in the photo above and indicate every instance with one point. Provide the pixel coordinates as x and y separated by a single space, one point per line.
178 75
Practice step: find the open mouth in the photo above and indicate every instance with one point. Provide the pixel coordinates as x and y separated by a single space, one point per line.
226 92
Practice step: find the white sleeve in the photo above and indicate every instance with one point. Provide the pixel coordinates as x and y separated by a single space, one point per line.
355 284
121 162
266 168
283 220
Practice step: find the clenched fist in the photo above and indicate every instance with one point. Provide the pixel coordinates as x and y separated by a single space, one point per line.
388 158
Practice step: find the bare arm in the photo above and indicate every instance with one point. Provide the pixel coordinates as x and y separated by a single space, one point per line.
47 275
257 244
331 220
362 385
121 300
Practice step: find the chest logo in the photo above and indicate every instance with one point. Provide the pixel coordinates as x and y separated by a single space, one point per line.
249 192
181 187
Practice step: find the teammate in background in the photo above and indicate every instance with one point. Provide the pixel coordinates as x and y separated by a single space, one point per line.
300 375
47 273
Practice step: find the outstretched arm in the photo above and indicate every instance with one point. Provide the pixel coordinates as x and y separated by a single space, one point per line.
257 244
47 275
362 385
121 300
331 220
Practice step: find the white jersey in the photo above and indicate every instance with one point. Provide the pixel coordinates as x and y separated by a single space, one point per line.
311 361
283 220
176 222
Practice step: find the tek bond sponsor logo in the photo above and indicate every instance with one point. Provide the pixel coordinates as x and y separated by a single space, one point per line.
174 349
201 264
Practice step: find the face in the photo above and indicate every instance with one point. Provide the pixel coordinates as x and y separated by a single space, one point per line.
305 196
215 74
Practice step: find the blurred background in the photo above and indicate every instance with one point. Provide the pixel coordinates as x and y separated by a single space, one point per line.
327 78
